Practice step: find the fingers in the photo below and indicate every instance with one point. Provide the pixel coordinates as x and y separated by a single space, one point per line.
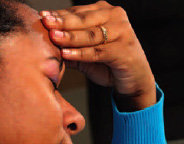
88 54
101 53
75 21
78 20
88 37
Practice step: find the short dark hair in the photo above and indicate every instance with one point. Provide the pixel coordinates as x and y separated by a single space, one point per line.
10 20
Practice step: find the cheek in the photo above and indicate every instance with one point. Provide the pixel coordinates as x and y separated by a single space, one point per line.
45 118
32 120
30 112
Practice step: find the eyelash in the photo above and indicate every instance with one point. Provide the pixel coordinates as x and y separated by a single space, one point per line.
54 84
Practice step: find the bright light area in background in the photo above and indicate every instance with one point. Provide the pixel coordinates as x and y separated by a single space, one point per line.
73 86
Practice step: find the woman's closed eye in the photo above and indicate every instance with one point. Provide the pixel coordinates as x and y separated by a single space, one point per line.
54 84
53 71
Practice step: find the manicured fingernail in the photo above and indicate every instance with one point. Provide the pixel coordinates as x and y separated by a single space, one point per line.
66 52
50 18
59 34
45 13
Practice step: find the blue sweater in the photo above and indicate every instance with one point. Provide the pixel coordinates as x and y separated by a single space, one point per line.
140 127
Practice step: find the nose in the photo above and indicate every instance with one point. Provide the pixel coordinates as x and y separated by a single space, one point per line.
73 121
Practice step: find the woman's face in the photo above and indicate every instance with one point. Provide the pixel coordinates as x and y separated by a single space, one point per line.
31 110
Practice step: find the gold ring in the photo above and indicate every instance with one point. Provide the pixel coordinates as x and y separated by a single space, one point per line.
105 34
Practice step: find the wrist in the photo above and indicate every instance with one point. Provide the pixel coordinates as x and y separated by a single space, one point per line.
138 100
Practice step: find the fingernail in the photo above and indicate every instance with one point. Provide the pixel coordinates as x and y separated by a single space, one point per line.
51 18
45 13
66 52
59 34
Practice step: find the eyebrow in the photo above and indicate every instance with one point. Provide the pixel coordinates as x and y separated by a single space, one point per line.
54 58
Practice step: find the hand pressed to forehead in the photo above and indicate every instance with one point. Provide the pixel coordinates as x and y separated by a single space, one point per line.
82 29
120 62
71 28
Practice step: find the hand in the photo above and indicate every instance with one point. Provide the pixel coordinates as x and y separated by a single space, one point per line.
120 62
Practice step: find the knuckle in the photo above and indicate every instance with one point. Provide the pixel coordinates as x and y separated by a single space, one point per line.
74 9
82 54
126 29
72 36
103 3
94 5
119 10
91 35
130 60
97 53
82 17
128 37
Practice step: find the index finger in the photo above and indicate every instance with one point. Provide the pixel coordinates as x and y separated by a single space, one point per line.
77 21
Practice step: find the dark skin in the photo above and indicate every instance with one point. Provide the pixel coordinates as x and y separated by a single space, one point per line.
120 63
32 111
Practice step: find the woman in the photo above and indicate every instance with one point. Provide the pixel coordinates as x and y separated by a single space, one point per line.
102 44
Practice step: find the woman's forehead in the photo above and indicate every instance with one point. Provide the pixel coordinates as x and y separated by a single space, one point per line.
39 35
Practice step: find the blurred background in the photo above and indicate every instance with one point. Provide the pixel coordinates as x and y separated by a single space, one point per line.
159 26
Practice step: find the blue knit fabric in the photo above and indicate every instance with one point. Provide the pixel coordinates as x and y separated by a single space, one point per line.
140 127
